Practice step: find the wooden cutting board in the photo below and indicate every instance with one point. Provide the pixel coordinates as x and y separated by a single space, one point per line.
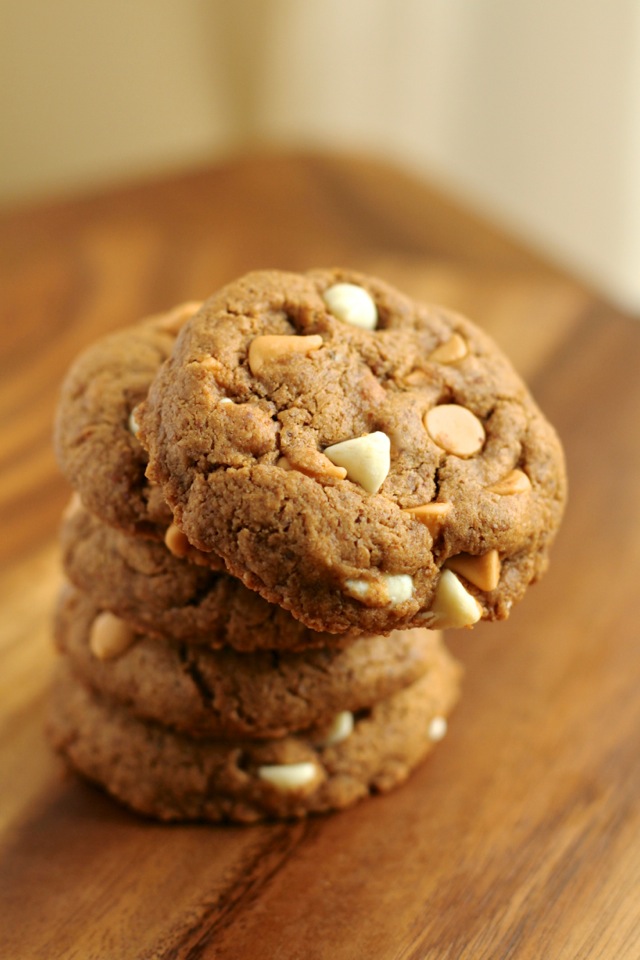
520 835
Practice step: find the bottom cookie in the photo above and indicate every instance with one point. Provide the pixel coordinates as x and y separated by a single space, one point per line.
170 776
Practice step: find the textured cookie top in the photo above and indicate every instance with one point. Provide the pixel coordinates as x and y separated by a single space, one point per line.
365 461
94 435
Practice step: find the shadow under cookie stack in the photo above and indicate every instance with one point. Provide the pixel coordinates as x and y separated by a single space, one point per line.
244 632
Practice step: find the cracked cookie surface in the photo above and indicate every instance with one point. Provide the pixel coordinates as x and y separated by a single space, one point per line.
174 777
307 436
225 693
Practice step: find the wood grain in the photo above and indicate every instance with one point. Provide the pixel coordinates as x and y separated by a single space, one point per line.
520 836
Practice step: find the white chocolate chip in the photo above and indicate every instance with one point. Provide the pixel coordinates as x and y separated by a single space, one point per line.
352 304
226 400
437 729
134 426
388 589
399 587
288 776
358 588
110 636
340 729
453 606
366 459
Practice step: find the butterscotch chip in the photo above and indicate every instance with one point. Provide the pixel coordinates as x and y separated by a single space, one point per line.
455 429
312 463
176 541
299 536
514 482
171 776
432 515
482 571
110 636
451 351
264 350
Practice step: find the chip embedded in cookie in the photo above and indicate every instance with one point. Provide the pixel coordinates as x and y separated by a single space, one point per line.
365 461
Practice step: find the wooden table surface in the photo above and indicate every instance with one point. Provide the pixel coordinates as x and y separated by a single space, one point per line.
520 835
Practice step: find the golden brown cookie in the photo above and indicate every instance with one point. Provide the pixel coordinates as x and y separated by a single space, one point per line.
173 777
94 435
224 693
362 460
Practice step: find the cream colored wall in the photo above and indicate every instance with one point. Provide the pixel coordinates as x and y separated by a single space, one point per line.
93 91
530 108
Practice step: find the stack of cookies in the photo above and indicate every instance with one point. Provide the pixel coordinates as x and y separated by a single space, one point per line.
282 496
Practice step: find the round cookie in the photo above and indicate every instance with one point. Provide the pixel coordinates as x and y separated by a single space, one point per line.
365 467
173 777
94 434
141 581
223 693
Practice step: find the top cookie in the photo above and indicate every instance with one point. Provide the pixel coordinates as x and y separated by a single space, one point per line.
94 435
365 461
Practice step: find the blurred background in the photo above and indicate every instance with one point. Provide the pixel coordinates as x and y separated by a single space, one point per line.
527 110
